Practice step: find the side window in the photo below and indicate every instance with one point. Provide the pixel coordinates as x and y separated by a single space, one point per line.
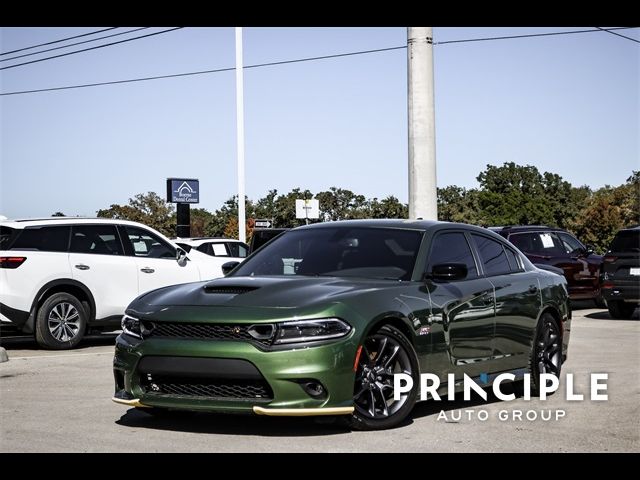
146 244
538 243
45 239
492 254
237 249
570 243
453 248
98 239
218 250
204 248
514 261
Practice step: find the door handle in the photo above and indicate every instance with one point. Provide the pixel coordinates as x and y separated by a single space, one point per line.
147 270
533 289
82 266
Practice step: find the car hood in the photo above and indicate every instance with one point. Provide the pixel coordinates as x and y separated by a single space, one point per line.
264 292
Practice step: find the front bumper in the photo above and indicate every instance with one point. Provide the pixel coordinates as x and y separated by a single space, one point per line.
285 372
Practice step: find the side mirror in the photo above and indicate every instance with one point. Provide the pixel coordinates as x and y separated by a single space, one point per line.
446 272
227 267
181 257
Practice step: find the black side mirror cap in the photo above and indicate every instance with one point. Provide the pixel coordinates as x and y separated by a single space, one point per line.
446 272
227 267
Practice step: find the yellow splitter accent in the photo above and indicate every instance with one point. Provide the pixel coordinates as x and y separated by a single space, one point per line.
130 403
302 412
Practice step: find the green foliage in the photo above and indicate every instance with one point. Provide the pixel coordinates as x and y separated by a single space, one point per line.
149 208
510 194
58 214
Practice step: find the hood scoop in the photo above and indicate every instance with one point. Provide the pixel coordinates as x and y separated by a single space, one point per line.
229 289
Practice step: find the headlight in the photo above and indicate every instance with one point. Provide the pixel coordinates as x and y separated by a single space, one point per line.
131 326
311 330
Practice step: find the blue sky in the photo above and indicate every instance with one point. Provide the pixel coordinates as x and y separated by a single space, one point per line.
567 104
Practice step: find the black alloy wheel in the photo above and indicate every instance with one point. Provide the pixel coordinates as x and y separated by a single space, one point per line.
384 353
546 355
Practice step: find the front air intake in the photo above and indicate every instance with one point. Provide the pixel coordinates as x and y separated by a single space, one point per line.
230 290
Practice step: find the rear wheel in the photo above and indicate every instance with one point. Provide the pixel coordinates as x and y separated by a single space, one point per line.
620 310
600 302
384 353
60 322
546 354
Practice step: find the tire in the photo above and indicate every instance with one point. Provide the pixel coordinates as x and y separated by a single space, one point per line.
621 310
384 352
546 351
600 302
60 322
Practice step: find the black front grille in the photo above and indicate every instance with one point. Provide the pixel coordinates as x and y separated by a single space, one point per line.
226 389
201 331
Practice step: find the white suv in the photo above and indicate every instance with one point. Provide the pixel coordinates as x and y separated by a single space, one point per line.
224 248
60 277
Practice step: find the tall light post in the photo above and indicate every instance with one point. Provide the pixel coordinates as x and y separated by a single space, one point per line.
242 234
423 197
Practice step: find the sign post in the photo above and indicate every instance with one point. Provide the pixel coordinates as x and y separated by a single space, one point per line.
307 209
183 192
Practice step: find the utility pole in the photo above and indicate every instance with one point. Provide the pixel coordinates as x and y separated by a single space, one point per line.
242 233
423 198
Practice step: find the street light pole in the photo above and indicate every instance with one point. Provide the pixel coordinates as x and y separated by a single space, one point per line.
423 197
242 234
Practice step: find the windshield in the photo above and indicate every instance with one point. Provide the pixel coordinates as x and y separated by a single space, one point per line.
626 241
339 251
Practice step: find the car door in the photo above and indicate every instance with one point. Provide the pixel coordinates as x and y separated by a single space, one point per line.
155 260
97 260
544 247
462 311
585 266
517 301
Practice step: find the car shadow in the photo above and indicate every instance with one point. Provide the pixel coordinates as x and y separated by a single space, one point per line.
226 424
29 343
255 425
604 315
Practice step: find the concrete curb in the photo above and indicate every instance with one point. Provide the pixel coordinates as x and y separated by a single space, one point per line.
3 355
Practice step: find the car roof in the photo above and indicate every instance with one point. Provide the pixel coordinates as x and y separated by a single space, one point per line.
422 225
201 240
37 222
523 228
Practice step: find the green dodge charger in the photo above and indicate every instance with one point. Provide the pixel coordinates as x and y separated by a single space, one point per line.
318 322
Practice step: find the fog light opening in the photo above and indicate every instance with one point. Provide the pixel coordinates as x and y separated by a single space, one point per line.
314 389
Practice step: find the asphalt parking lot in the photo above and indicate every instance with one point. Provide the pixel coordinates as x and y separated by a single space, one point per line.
60 402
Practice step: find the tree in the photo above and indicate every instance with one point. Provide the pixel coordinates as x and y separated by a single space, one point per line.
608 210
519 195
341 204
457 204
58 214
389 207
149 209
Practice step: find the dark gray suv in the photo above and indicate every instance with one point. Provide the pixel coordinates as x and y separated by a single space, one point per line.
621 277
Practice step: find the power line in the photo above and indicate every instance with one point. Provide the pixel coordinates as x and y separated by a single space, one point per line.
73 44
530 35
617 34
57 41
299 60
91 48
202 72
